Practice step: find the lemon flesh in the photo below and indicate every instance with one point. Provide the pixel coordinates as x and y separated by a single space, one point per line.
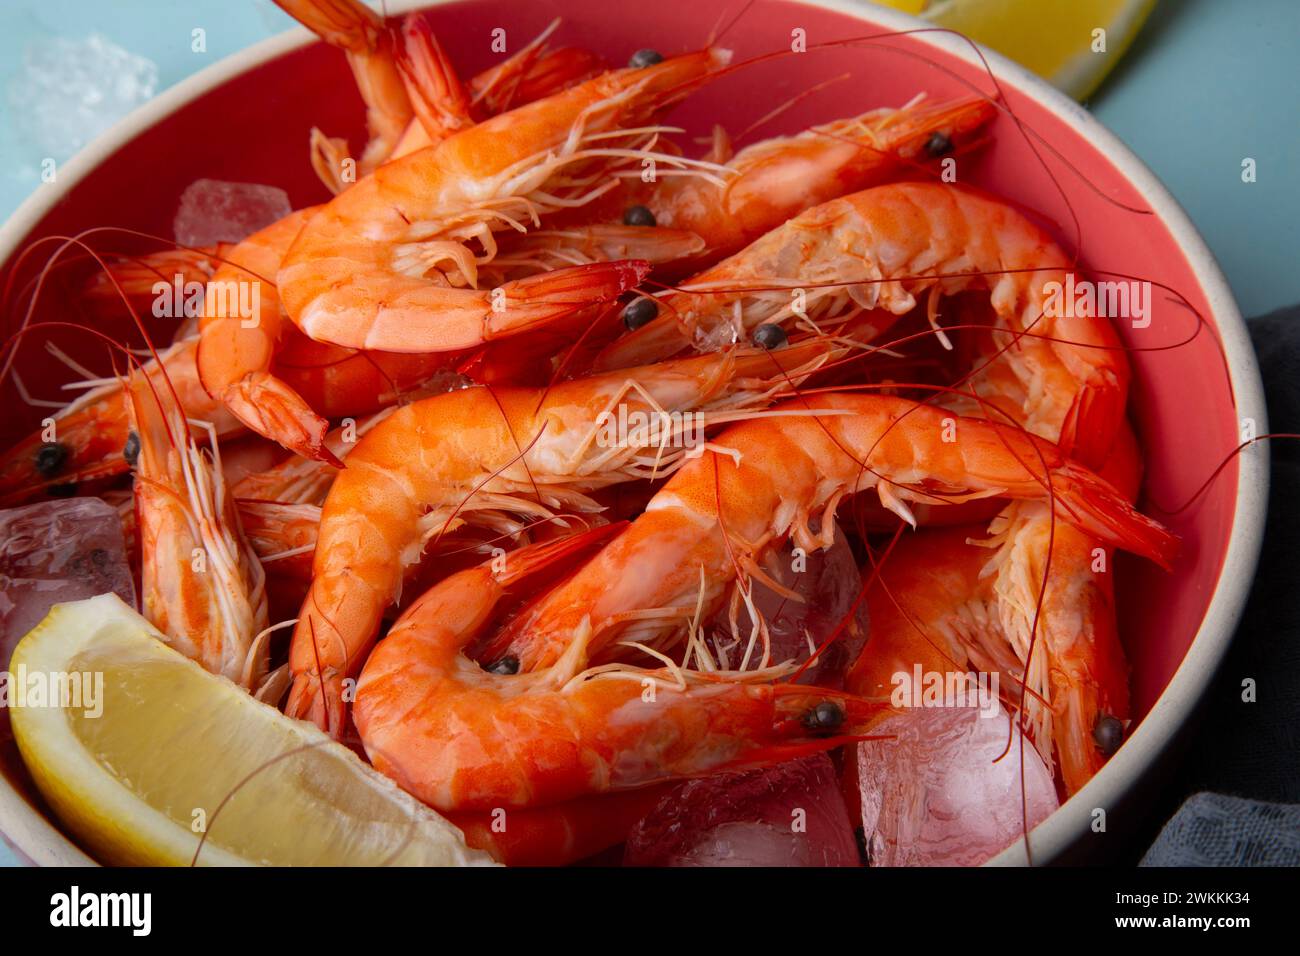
181 766
1053 38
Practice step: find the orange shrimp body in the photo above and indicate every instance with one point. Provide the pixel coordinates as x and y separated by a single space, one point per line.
443 105
762 483
91 434
372 47
943 603
201 583
408 83
237 349
1078 666
531 74
561 833
461 738
489 455
901 242
775 179
929 608
135 278
268 374
385 264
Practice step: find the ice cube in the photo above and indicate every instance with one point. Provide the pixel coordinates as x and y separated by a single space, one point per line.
57 551
934 796
717 337
792 814
444 380
830 583
213 210
68 91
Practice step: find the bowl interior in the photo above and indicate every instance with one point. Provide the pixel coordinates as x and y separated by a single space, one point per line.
254 128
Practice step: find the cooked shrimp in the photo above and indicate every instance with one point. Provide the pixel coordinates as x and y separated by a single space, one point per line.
241 329
546 249
1068 386
929 608
359 273
561 833
1078 668
773 180
763 481
441 103
904 241
137 277
201 583
802 273
463 739
258 365
535 72
371 46
941 602
483 454
90 438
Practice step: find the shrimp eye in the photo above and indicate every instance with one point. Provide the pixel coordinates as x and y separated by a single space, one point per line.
50 458
131 450
643 58
638 216
1108 734
640 312
826 716
770 336
938 144
505 665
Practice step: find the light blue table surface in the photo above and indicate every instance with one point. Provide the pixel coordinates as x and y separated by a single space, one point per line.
1208 83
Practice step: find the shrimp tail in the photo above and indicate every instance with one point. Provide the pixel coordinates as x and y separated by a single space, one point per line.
269 407
439 98
1086 434
555 71
1094 506
340 23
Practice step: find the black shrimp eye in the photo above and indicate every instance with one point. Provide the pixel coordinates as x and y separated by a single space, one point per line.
505 665
50 458
770 336
644 58
938 144
131 450
826 716
640 312
638 216
1108 734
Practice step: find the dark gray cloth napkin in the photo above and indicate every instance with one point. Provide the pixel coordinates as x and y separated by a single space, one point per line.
1246 756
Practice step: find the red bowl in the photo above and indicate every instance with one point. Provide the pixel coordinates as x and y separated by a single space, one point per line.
247 119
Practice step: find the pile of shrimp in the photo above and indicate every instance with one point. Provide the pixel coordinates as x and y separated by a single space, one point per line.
828 336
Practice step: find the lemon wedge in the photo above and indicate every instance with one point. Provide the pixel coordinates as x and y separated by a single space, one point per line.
1054 38
168 764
